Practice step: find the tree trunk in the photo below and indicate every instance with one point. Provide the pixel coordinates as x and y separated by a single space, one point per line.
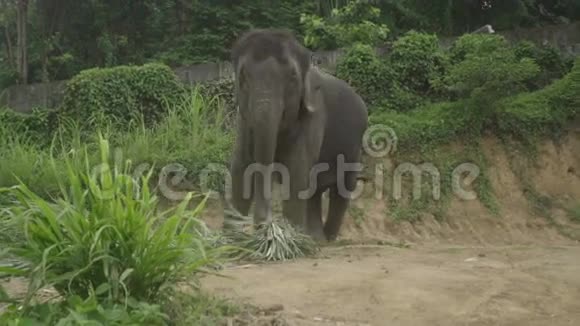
9 48
21 44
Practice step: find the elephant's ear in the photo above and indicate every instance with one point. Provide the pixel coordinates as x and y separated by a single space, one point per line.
313 100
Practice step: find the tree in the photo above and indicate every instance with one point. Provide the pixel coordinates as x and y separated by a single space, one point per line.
357 22
22 43
7 14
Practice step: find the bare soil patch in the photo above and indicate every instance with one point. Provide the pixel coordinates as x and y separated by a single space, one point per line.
380 285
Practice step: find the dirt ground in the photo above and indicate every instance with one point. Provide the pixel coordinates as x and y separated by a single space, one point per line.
444 285
519 267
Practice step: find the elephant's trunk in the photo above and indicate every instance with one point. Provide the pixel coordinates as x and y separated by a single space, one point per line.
267 114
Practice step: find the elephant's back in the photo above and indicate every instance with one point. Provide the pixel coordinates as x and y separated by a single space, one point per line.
346 121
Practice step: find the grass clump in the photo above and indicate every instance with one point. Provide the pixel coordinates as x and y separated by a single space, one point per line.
276 240
104 240
574 213
192 136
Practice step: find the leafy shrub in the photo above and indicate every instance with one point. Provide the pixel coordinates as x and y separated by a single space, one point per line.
39 125
552 62
476 45
487 69
417 60
542 112
366 72
402 81
223 89
121 93
104 236
76 310
356 22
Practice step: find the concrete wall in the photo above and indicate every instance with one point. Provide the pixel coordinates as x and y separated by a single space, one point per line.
23 98
49 95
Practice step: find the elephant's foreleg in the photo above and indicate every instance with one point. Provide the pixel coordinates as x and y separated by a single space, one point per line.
263 197
242 191
295 189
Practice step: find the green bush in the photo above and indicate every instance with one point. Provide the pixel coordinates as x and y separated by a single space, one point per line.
121 93
78 311
418 61
542 112
552 62
362 68
39 125
222 89
356 22
487 69
476 45
375 81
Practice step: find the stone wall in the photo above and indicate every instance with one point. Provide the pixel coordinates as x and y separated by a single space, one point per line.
49 95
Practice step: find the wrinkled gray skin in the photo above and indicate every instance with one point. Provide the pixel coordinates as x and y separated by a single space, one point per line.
292 114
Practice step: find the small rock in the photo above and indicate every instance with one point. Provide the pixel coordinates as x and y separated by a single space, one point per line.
481 255
315 264
472 259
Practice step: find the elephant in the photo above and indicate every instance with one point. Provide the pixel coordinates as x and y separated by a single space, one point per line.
299 122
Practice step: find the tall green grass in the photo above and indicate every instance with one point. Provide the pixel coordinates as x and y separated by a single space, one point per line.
194 133
103 237
104 233
74 217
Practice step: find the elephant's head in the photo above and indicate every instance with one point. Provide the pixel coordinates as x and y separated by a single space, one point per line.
275 86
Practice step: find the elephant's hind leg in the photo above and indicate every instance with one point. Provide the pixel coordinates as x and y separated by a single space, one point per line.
336 209
314 225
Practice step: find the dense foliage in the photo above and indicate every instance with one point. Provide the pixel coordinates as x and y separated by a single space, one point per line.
356 22
62 38
123 92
